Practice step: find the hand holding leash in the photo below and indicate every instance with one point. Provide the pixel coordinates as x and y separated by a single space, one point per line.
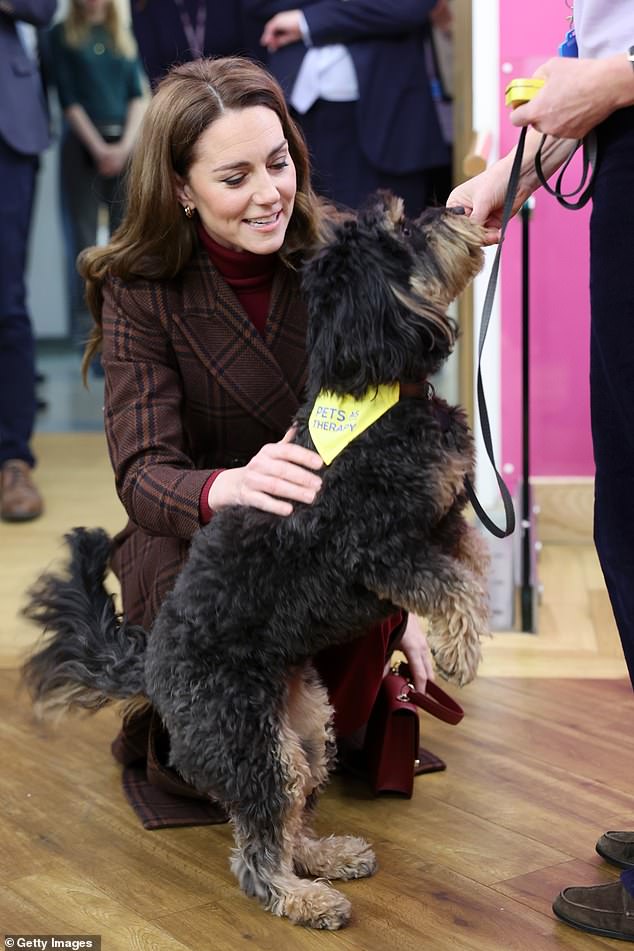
572 101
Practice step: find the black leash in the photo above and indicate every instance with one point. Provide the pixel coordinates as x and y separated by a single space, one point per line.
485 426
584 192
584 188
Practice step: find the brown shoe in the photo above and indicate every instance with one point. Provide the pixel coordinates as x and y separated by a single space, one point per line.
20 501
617 848
606 910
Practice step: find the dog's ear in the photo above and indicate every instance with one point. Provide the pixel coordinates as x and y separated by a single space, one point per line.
366 327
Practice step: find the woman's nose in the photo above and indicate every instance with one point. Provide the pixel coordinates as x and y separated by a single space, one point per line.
266 191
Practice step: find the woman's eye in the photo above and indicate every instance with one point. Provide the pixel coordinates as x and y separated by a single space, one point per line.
236 180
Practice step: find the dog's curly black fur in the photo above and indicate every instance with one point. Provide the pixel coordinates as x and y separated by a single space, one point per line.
227 664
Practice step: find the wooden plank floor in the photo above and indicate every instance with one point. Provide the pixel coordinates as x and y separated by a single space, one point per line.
536 771
540 766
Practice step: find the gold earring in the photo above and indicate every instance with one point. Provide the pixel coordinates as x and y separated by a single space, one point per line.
189 211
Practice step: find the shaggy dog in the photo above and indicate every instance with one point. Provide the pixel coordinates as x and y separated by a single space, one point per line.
227 663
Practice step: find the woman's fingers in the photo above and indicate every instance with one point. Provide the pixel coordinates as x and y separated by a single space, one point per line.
281 473
298 454
288 482
416 649
268 503
278 475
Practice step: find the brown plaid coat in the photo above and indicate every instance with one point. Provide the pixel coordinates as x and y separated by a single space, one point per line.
190 387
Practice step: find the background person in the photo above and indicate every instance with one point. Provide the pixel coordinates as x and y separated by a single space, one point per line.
356 77
23 135
169 32
596 91
94 64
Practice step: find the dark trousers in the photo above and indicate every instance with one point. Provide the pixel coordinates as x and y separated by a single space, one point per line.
612 366
17 347
341 171
83 192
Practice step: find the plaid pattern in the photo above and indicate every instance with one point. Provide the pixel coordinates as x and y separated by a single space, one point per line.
190 387
160 798
158 809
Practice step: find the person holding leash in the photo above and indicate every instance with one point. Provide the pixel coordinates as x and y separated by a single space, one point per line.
594 92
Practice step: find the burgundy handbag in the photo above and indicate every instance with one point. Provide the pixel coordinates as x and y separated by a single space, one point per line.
392 751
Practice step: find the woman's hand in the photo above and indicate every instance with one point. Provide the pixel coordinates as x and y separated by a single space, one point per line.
280 472
111 159
482 198
442 17
416 649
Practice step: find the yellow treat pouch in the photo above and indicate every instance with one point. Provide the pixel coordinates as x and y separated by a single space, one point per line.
336 420
520 91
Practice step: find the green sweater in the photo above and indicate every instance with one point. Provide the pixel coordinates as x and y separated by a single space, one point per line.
94 76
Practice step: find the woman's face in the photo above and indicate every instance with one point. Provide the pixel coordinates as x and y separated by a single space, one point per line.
94 10
243 182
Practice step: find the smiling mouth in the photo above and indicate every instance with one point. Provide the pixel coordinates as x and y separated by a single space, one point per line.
264 221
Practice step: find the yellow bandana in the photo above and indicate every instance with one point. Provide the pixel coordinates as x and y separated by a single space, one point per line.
337 420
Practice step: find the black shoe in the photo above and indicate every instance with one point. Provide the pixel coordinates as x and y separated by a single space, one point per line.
617 848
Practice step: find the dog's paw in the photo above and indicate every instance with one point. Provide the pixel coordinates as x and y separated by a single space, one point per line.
313 904
336 857
456 657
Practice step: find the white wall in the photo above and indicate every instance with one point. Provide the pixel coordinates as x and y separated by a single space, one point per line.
485 15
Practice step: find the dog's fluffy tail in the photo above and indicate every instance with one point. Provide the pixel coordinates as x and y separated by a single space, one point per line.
90 656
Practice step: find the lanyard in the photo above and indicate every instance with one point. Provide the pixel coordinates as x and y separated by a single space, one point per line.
195 37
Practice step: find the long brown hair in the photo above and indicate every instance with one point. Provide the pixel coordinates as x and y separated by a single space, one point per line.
77 28
156 240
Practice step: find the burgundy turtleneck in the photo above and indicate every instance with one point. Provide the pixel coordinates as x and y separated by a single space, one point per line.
249 275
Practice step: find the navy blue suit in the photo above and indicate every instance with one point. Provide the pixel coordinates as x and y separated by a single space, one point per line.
162 42
394 122
23 135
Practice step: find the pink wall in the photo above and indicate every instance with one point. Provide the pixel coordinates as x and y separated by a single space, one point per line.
560 421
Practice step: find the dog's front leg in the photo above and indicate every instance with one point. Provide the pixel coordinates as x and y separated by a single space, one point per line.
451 596
473 551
